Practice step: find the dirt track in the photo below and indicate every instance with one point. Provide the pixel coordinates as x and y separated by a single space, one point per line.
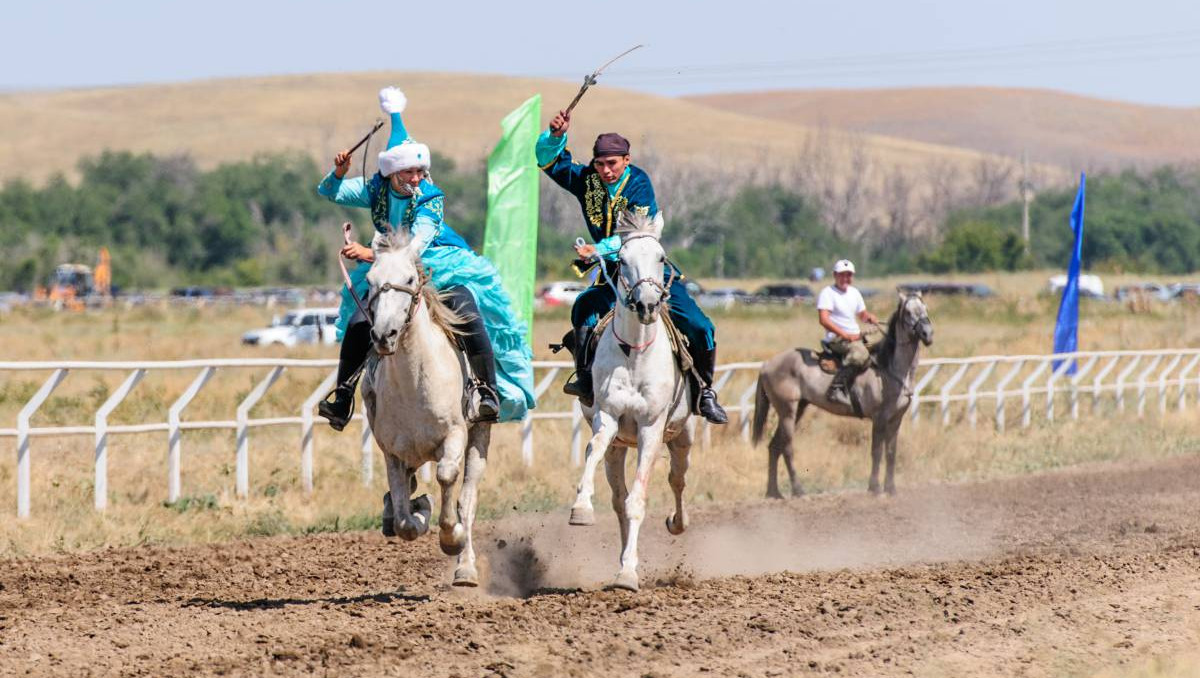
1048 575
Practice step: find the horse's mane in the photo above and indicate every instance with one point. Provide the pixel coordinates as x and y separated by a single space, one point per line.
392 240
887 350
446 318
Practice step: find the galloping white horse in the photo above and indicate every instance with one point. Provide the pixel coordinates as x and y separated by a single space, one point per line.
641 397
413 396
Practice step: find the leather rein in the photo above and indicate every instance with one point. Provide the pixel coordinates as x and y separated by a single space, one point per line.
413 291
628 302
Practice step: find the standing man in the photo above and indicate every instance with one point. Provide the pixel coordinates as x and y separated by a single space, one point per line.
604 188
839 307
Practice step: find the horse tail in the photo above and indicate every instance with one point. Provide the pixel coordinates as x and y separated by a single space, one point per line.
761 405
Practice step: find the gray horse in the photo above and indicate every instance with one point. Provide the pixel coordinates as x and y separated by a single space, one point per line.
792 380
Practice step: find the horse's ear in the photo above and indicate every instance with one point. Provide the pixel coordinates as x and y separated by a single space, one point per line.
900 293
656 225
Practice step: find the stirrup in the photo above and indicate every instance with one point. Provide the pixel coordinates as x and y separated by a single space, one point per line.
571 388
841 396
718 415
477 413
325 408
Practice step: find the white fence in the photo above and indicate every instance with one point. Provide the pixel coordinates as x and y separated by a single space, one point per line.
955 388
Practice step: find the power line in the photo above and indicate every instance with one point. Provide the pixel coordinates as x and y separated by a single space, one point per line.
1133 48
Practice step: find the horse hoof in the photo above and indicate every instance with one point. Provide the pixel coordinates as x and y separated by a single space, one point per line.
774 495
624 581
582 515
675 525
409 531
453 541
466 575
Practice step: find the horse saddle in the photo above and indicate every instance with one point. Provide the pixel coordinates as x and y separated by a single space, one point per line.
831 362
679 343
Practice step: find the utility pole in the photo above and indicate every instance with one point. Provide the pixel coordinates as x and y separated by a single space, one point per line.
1026 188
720 267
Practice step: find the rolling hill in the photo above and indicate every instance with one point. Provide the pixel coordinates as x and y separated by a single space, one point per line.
458 115
1071 131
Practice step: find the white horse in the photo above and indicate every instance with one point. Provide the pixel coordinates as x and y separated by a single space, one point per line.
413 396
641 397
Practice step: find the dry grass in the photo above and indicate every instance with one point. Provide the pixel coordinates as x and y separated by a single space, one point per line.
1054 127
457 114
832 453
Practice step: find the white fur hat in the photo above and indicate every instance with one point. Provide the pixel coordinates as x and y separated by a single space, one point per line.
392 100
407 155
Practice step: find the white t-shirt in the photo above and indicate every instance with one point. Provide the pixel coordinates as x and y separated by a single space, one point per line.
843 308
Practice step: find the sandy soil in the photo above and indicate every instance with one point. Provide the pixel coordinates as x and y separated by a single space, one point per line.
1047 575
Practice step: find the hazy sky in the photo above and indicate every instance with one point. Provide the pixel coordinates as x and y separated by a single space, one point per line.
1146 51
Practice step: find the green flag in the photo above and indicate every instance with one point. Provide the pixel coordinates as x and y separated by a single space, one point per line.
510 240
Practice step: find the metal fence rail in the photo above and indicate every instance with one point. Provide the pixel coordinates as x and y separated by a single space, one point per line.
953 388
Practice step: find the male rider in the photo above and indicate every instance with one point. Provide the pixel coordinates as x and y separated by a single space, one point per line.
839 307
604 188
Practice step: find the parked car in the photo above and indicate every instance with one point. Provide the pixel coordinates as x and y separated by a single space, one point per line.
559 293
1185 291
784 293
1090 286
1150 290
721 297
947 289
301 326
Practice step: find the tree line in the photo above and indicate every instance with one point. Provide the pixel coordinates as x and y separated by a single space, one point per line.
260 222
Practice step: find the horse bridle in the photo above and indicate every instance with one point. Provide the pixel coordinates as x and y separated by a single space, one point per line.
912 326
413 291
663 289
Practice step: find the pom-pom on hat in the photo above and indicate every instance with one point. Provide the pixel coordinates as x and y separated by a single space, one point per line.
403 151
392 100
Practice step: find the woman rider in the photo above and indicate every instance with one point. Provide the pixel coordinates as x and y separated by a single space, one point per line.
401 195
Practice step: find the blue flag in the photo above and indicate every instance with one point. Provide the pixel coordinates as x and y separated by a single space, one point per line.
1066 330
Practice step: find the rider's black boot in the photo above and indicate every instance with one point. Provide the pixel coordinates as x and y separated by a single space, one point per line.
704 361
356 343
839 391
483 401
581 385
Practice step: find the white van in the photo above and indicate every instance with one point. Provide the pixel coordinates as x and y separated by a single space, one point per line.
301 326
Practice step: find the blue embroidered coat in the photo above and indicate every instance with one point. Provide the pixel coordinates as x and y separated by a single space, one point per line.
601 204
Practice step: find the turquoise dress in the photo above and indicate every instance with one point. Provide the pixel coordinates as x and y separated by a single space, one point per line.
450 262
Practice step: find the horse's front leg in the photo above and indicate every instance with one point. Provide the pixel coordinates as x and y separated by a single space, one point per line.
680 448
402 516
452 536
605 427
649 439
878 438
893 435
614 468
478 440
